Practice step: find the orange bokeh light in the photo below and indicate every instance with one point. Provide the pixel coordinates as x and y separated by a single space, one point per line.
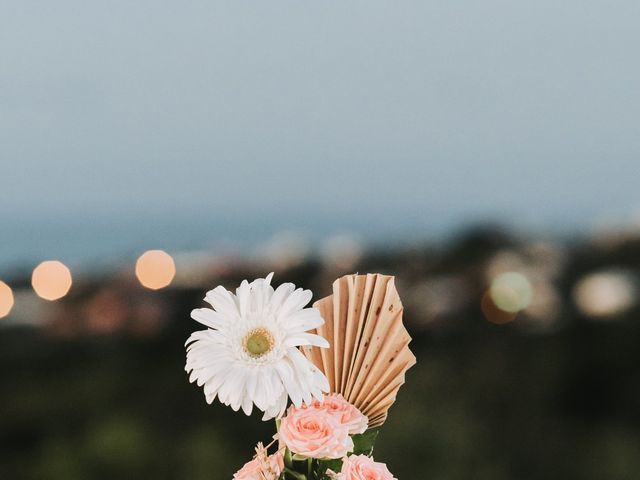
51 280
155 269
6 299
493 313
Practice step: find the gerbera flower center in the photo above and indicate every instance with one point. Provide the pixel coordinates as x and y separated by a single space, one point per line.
258 342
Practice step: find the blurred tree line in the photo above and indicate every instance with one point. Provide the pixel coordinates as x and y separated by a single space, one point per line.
485 401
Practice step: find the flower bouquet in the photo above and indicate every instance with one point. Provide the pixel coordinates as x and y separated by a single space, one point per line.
327 374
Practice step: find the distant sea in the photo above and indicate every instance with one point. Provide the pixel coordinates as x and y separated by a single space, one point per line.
103 240
107 239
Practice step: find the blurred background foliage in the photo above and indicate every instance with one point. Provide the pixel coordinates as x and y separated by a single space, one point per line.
556 396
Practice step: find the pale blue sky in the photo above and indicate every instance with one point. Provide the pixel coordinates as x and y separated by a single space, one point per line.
432 113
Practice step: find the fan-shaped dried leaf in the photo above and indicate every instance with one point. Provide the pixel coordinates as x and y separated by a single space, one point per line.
369 352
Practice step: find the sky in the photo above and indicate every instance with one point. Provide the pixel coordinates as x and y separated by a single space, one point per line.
414 114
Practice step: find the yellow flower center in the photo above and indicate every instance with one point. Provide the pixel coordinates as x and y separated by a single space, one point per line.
258 342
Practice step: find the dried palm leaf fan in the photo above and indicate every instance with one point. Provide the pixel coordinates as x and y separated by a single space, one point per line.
369 346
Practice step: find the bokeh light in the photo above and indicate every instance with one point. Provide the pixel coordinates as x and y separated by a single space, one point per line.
511 292
605 294
493 313
342 252
546 304
6 299
51 280
285 250
437 298
155 269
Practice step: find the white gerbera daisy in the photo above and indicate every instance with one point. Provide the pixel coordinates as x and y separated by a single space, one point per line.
249 354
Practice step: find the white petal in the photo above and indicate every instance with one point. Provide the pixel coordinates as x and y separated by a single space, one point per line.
261 292
222 301
232 386
243 296
300 339
212 386
277 409
208 358
321 383
294 302
281 294
209 318
207 336
203 375
311 373
247 405
252 384
290 382
303 320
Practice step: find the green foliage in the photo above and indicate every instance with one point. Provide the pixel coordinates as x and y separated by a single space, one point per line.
326 465
290 474
491 405
295 466
299 467
363 443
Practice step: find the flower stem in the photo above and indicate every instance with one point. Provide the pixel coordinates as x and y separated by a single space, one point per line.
294 475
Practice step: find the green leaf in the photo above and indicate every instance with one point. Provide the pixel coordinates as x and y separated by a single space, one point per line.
324 465
363 443
299 458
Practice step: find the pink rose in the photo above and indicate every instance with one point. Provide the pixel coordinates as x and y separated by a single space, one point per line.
347 414
361 467
258 469
314 432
